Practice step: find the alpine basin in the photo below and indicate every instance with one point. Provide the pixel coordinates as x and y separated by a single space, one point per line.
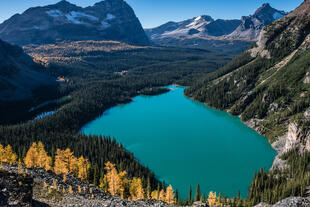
186 143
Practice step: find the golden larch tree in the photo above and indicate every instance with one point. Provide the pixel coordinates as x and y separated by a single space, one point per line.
162 195
212 199
155 194
123 182
112 178
83 166
8 155
1 153
136 189
31 156
169 195
43 160
36 156
65 162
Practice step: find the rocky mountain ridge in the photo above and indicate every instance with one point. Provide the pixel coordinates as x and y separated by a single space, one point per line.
207 33
106 20
248 28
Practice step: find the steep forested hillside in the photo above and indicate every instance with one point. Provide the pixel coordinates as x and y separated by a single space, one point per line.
268 87
19 75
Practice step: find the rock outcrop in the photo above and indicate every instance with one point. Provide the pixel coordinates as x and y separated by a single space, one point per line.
36 187
289 202
15 189
252 25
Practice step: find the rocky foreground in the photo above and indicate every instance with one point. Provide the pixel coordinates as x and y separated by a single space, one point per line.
36 187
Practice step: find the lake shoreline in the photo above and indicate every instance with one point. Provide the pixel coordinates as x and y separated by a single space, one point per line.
276 159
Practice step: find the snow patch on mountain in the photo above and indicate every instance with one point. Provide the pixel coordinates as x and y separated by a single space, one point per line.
74 17
105 25
198 23
54 13
110 16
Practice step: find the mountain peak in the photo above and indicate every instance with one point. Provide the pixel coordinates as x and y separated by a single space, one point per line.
106 20
204 17
266 5
64 3
264 9
101 3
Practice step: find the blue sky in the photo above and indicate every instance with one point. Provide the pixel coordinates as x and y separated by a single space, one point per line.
156 12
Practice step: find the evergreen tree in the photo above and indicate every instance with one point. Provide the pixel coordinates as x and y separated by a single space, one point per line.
163 185
190 199
177 199
158 190
148 188
197 193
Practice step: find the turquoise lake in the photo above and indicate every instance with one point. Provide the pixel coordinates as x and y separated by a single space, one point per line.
184 142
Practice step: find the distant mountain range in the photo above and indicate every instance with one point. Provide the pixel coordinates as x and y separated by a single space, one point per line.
106 20
199 31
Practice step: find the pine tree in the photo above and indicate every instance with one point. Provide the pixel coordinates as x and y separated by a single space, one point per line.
197 193
169 195
158 190
148 188
104 183
190 199
163 185
177 199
